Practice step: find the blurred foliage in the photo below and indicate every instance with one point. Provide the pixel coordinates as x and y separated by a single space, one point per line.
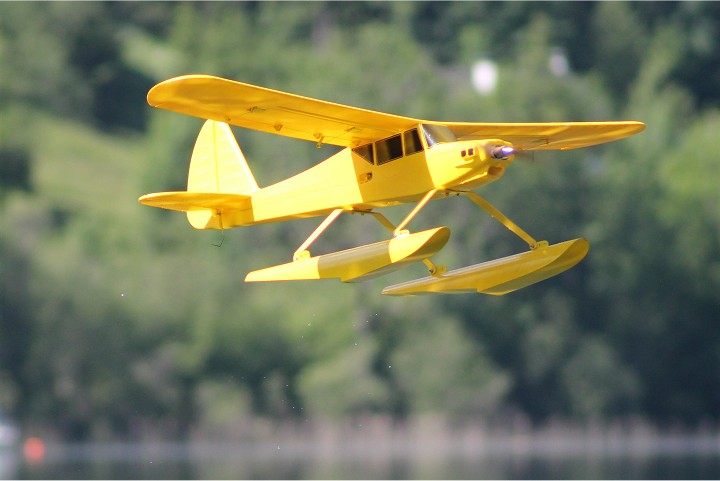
121 321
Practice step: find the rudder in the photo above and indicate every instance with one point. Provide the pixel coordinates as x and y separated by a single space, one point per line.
217 165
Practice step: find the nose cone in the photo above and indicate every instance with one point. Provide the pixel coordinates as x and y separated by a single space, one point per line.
503 153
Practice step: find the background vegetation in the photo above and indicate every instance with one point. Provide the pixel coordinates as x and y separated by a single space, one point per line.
120 321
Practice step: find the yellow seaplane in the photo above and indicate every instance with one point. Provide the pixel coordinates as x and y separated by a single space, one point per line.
386 160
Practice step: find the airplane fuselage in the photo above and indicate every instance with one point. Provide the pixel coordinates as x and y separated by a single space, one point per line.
365 178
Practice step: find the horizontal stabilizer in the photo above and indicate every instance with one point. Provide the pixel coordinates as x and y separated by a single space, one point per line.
195 201
359 263
500 276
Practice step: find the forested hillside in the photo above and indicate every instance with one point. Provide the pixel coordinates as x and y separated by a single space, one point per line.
117 320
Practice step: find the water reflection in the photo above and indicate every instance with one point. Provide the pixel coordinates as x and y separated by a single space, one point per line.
696 458
8 464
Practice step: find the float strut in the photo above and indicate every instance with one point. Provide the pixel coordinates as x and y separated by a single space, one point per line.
302 251
380 218
434 269
399 229
504 220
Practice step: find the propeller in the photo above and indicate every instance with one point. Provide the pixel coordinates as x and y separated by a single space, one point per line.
503 153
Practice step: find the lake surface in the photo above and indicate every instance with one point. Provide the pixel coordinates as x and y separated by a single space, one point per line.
508 458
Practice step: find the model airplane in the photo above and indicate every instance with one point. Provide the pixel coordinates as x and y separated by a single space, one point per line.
386 160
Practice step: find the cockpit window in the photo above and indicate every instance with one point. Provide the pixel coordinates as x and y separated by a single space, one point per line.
393 147
388 149
412 142
438 134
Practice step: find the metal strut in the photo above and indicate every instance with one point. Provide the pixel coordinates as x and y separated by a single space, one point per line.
302 252
380 218
399 229
433 268
504 220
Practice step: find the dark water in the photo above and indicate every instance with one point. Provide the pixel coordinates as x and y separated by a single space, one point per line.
569 459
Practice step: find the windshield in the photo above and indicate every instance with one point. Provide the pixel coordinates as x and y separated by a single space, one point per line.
437 134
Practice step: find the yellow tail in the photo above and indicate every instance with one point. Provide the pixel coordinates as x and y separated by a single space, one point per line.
217 165
219 178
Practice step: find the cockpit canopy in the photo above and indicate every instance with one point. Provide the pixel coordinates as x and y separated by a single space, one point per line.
437 134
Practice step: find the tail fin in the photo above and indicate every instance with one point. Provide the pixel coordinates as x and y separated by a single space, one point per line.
219 179
217 165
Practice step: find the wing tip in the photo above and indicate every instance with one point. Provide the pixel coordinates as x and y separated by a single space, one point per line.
639 126
162 91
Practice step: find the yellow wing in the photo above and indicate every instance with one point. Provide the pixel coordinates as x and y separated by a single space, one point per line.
275 112
291 115
548 135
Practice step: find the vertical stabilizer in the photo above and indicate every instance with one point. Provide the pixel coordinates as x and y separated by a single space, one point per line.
217 165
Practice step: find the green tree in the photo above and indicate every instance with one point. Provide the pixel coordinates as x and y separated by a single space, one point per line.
441 371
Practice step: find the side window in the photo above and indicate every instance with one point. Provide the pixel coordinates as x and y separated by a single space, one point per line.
366 152
412 142
388 149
